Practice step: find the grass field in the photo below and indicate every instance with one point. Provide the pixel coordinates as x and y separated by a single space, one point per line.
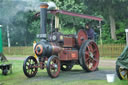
42 78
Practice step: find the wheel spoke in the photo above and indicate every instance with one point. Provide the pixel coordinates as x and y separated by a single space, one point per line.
29 71
87 59
88 63
26 67
94 51
86 53
27 64
52 66
90 48
95 59
91 60
33 69
33 62
29 61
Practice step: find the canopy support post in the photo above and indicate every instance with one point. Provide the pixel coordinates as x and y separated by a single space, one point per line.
100 33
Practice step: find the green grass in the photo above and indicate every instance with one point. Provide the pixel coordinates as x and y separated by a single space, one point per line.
5 62
42 78
17 55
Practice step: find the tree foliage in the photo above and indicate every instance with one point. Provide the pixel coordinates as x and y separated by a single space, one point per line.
112 11
24 25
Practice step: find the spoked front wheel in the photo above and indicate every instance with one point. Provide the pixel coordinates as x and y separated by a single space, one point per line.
122 73
29 66
53 66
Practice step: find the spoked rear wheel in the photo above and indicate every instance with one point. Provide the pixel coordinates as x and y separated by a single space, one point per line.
29 66
89 55
53 66
122 73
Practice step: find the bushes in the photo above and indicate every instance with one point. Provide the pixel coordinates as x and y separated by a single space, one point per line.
68 30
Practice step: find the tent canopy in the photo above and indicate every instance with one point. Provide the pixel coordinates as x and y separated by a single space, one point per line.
123 58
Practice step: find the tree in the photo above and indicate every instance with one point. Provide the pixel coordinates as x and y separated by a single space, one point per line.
110 9
26 26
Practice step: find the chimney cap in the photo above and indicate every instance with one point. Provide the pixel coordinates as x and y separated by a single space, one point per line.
43 5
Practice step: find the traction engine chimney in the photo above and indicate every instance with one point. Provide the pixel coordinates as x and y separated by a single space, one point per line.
43 19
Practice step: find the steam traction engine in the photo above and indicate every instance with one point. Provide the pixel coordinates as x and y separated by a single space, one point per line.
60 52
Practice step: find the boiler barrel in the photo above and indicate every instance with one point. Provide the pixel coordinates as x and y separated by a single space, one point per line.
46 49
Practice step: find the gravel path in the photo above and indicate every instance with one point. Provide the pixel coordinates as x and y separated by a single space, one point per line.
81 75
15 58
75 75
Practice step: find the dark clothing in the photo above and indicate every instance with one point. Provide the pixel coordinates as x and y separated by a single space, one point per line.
90 33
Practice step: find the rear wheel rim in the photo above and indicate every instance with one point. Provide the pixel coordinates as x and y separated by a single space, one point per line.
91 56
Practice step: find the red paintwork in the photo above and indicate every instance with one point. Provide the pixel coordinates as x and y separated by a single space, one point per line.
69 42
81 37
68 55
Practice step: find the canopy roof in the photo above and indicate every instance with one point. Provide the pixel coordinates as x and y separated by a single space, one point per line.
75 14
